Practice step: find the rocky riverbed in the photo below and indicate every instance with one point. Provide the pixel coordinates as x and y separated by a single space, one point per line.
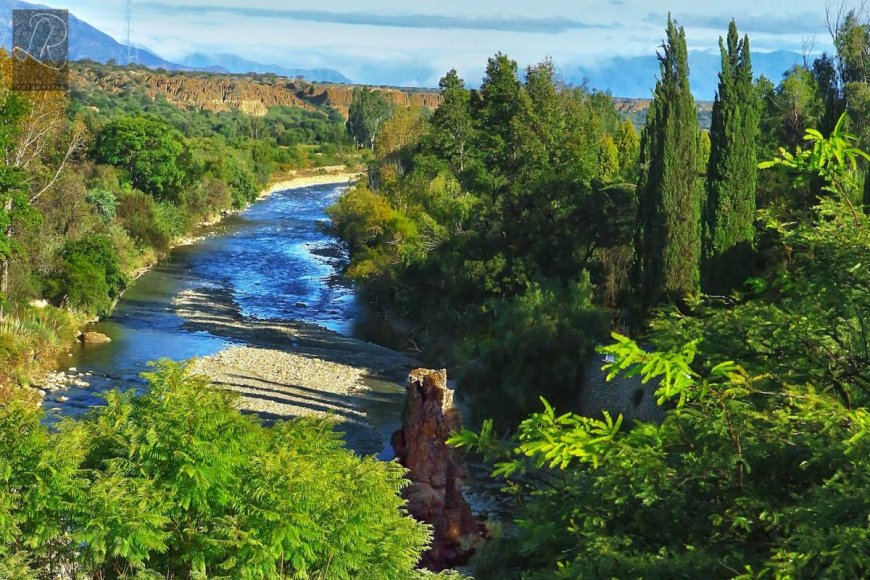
289 368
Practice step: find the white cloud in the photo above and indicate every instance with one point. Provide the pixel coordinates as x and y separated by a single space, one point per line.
362 37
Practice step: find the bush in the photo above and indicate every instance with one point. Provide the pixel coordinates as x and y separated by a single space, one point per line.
105 203
137 213
30 340
89 276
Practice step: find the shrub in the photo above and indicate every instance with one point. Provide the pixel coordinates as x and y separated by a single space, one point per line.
89 276
137 212
537 346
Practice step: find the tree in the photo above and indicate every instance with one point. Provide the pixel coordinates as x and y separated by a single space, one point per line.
852 40
37 141
154 155
729 214
368 110
628 148
493 109
741 480
830 91
396 141
178 483
452 127
668 240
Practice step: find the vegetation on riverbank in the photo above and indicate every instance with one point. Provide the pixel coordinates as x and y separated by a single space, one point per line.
510 224
519 224
113 184
178 483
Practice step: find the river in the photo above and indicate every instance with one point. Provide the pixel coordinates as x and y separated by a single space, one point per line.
276 262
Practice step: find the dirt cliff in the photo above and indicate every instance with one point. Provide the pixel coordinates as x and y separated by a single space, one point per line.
251 94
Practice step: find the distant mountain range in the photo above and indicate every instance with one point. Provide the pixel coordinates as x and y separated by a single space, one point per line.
236 64
635 77
89 43
632 77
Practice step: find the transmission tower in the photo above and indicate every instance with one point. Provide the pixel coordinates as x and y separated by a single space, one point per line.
132 54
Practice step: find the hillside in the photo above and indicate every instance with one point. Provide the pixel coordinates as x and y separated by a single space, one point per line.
252 94
89 43
636 110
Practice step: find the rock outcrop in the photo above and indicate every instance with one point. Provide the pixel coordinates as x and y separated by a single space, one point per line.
435 494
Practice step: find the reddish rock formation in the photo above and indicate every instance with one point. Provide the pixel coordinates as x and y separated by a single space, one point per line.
435 495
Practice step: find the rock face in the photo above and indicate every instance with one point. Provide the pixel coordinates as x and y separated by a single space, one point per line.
435 495
251 94
95 338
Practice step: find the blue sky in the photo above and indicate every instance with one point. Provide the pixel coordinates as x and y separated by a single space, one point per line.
375 41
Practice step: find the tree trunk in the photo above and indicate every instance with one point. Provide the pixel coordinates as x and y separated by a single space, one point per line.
4 270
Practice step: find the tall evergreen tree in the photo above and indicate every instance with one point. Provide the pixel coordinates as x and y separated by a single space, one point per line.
494 108
729 215
668 236
452 129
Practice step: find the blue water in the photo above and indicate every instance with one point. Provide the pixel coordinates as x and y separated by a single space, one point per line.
274 259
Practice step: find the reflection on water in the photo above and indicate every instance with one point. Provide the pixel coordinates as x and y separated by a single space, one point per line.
274 258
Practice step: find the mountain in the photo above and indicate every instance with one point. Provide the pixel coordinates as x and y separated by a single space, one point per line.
636 76
85 41
236 64
89 43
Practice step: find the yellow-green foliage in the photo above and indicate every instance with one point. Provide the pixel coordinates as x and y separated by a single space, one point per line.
179 483
31 339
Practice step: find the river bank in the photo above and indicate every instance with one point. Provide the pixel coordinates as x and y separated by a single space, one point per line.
287 368
45 377
260 305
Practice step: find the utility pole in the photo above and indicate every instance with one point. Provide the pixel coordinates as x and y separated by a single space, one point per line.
132 53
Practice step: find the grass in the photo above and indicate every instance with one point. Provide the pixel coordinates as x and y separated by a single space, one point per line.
31 340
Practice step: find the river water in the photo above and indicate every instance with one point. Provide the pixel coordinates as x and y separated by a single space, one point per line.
276 261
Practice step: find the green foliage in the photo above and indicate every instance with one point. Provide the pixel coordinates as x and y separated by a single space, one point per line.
104 202
482 223
138 214
833 159
30 339
178 483
736 482
729 213
668 238
540 338
852 41
153 154
628 151
368 111
804 324
493 109
89 276
453 130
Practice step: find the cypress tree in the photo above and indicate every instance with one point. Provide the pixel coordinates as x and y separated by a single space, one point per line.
668 236
729 214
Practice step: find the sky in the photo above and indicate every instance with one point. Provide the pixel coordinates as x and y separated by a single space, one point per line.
413 44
